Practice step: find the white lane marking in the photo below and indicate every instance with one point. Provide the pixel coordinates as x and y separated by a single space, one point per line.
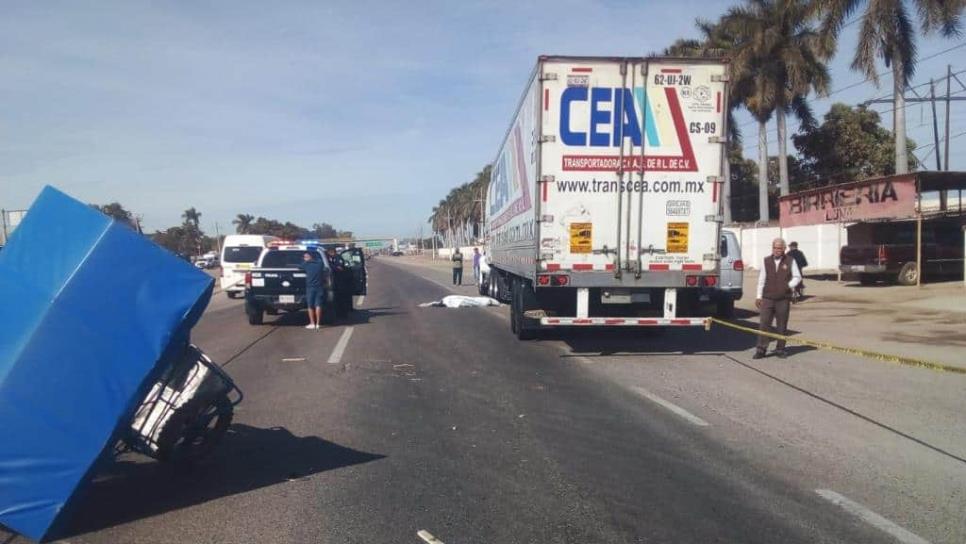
871 517
360 300
688 416
293 359
336 356
427 537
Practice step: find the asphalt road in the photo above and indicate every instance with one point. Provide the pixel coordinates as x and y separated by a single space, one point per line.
438 420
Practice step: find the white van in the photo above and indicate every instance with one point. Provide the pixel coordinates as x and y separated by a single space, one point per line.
730 287
238 254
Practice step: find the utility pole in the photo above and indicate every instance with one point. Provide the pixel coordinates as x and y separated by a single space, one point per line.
935 135
482 213
935 124
449 229
218 239
932 98
949 77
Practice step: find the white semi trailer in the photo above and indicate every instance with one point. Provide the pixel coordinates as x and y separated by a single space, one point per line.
604 205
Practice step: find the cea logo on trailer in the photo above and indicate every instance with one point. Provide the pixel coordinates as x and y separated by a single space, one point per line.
613 112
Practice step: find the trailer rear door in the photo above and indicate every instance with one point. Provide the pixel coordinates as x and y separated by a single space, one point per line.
632 167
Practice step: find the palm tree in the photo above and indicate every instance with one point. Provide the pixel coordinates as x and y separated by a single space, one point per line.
776 40
888 32
716 42
191 215
761 103
243 223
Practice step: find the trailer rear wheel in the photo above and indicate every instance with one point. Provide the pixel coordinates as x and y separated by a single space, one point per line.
519 323
504 288
726 307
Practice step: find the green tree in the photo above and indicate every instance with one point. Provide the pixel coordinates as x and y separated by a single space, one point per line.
744 182
324 230
888 33
459 218
193 216
717 41
243 223
117 212
780 60
191 228
850 144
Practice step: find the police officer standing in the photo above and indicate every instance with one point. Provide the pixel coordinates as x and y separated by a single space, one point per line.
777 280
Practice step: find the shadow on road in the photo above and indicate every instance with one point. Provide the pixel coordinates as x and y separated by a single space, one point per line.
250 458
359 316
687 341
634 341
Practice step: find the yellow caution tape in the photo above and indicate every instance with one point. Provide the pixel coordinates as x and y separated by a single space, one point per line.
884 357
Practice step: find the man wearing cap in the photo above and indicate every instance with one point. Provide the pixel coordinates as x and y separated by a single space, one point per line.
777 280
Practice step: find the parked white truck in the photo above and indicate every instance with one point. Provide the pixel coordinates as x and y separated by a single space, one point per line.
604 205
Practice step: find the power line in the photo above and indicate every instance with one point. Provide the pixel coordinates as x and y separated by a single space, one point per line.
774 132
941 140
869 79
923 84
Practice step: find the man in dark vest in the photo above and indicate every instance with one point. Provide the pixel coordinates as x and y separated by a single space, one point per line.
777 280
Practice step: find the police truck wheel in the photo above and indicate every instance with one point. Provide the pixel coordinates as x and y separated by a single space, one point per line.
255 316
908 274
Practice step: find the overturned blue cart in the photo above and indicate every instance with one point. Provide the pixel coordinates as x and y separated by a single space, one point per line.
95 359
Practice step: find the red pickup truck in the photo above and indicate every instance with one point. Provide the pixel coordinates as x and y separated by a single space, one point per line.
887 251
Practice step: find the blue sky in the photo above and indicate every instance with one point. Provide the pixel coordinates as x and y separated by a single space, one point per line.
361 114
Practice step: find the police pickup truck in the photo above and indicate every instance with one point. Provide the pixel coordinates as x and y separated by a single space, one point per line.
277 282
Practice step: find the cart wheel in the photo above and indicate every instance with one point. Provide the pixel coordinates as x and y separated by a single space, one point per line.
194 429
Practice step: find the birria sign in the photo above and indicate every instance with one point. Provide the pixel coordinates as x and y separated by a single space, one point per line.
878 198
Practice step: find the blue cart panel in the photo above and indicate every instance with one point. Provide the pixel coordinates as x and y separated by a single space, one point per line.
89 310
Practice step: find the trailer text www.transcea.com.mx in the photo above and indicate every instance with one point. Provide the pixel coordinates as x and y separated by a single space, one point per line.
639 186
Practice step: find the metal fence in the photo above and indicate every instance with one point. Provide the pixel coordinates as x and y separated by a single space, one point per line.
9 219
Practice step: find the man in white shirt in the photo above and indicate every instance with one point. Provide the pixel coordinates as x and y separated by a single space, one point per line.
777 280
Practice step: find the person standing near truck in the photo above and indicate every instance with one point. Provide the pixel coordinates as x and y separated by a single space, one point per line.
802 262
457 259
314 290
476 264
777 280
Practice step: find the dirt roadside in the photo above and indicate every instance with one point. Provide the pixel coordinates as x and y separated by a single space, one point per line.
923 323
